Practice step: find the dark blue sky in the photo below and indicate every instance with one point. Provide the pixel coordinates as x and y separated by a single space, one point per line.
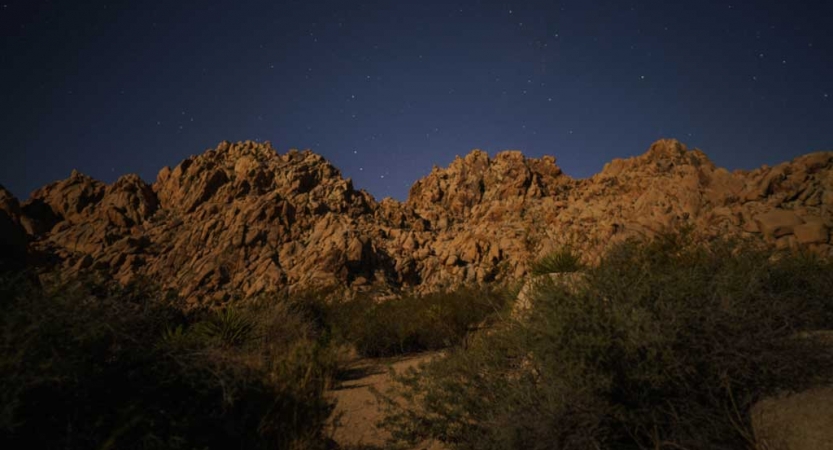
386 89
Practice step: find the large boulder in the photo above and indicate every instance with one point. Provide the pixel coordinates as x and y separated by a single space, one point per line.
796 420
799 421
811 233
778 222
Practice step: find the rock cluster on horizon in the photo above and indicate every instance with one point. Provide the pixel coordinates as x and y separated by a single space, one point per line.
242 219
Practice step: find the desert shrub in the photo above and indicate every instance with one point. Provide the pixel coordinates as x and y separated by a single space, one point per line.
426 322
666 346
326 310
559 261
411 322
85 365
225 327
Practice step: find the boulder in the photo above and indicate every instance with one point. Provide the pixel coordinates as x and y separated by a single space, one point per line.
778 222
811 233
799 421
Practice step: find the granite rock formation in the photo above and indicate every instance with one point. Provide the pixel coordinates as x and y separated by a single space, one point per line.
242 219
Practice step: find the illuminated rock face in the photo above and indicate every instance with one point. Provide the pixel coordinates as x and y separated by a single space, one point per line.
242 219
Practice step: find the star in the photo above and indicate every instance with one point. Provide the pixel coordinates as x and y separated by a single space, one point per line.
475 48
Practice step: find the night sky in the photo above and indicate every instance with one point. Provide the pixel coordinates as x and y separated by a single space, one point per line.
387 89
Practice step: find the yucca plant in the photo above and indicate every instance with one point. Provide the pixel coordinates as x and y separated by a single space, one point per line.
559 261
227 327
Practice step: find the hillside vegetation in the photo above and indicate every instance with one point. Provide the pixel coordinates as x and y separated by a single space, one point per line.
87 363
664 345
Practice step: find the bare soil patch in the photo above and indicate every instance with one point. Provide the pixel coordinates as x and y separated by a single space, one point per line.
358 411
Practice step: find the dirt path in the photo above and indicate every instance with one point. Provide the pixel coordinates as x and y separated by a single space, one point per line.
357 410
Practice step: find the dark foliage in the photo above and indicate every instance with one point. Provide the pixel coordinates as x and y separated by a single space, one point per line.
667 345
414 323
85 365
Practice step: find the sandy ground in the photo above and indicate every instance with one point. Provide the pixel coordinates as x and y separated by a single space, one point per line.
357 410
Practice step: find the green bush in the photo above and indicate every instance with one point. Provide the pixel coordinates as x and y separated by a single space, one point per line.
666 346
559 261
86 365
409 323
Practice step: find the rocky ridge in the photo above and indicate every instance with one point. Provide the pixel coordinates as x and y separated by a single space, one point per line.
242 219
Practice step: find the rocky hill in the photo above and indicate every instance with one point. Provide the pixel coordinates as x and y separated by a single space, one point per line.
242 219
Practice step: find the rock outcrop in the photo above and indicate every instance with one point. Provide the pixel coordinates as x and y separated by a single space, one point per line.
242 219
